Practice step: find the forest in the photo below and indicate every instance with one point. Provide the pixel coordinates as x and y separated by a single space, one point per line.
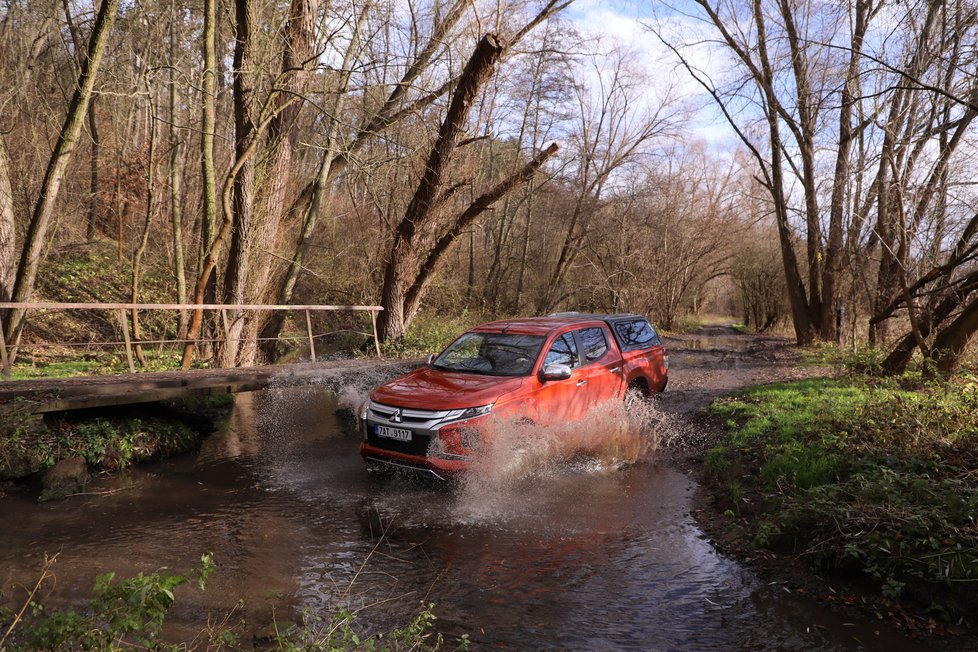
497 157
801 171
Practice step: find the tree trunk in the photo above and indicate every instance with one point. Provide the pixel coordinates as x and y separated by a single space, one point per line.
176 190
933 318
209 264
8 227
243 231
804 130
414 294
951 342
524 257
37 230
262 188
309 203
403 259
801 315
886 234
80 55
208 128
832 268
137 256
91 227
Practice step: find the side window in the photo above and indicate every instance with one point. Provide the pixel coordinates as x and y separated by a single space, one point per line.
563 351
593 342
636 334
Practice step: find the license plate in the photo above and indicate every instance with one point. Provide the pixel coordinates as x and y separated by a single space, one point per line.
400 434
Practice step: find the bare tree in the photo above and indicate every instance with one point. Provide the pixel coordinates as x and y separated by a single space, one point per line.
176 172
80 54
421 238
787 58
140 250
902 114
613 130
40 222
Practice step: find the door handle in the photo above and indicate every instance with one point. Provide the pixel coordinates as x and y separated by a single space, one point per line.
581 382
615 370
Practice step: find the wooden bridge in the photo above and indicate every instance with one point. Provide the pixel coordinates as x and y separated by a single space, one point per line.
124 310
59 394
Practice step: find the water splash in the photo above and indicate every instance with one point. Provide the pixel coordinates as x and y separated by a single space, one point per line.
351 396
608 438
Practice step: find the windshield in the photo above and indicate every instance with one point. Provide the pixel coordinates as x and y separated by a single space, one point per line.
491 354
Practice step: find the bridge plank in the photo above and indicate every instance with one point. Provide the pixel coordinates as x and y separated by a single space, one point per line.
56 395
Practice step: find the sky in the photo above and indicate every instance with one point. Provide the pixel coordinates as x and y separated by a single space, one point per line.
627 22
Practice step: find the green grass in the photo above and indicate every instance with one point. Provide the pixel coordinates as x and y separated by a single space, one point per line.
59 369
66 365
106 443
863 360
864 474
430 334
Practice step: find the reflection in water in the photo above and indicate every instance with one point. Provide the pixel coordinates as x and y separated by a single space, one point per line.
582 555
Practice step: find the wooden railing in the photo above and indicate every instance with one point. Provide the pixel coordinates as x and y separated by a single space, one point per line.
122 310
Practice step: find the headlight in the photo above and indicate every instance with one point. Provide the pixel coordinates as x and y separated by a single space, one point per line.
454 416
475 412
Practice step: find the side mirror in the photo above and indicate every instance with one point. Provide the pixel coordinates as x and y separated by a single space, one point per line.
430 360
556 371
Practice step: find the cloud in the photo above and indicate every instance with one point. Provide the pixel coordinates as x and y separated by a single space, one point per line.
628 24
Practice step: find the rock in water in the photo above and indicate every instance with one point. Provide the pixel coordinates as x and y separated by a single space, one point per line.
69 476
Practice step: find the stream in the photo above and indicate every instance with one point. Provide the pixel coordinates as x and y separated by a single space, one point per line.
580 557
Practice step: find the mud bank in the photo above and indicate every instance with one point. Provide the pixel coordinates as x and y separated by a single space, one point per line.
55 454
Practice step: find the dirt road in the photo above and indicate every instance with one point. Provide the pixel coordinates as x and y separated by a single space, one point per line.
713 362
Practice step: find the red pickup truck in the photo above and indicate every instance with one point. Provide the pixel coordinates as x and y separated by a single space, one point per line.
544 369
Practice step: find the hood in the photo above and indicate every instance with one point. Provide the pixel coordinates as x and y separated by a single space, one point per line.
431 389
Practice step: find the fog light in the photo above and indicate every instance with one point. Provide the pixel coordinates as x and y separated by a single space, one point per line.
451 441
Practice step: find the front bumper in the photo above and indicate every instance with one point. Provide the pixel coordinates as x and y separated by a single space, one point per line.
434 467
438 445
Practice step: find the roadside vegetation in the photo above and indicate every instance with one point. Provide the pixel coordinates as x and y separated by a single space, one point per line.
869 476
131 613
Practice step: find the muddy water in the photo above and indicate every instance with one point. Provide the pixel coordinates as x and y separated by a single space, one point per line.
582 557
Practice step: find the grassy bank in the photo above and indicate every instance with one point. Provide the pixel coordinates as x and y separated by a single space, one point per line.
876 478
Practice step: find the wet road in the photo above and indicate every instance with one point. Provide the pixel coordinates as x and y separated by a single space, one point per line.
578 557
